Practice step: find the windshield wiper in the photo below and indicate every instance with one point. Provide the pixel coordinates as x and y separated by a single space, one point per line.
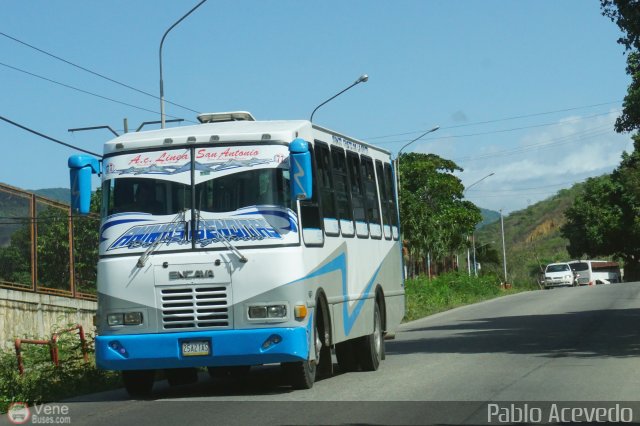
223 238
149 251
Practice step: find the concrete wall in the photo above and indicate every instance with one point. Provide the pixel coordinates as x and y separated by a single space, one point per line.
37 316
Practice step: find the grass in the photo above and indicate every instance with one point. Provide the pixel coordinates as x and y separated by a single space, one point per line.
426 297
43 382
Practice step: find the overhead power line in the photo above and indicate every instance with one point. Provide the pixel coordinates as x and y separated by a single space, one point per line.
49 137
577 137
513 129
94 72
82 90
478 123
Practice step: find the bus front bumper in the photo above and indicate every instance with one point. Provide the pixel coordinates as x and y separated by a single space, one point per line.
225 348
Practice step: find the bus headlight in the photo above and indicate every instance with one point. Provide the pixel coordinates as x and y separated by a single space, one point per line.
124 318
278 311
133 318
115 319
257 312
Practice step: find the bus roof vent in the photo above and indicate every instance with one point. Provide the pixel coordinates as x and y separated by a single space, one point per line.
219 117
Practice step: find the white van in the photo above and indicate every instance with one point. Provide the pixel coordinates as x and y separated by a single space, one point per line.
592 272
557 275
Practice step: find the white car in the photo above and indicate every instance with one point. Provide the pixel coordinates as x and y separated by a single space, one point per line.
558 274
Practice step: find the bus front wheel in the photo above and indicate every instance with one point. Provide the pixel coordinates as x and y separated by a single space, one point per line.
302 374
370 348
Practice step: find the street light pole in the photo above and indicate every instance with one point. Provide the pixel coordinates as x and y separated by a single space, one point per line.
473 240
504 251
406 145
162 121
362 79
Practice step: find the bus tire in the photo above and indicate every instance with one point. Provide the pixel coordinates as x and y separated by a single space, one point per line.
346 355
302 374
138 383
370 348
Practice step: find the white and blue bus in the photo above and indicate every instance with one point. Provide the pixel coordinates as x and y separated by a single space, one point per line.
236 243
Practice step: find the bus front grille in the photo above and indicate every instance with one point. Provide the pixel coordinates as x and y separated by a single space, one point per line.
194 307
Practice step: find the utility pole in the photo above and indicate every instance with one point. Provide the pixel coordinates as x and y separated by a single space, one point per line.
504 251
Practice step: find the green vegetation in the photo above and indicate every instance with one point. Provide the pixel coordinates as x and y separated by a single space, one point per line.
51 246
43 382
436 221
532 238
604 220
626 14
450 290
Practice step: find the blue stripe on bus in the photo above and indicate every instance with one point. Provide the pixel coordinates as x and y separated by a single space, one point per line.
339 263
227 347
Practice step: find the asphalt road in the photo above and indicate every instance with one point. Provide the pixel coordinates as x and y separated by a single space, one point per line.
573 346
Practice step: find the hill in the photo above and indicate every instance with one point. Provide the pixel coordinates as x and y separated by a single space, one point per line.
532 236
488 217
61 195
14 209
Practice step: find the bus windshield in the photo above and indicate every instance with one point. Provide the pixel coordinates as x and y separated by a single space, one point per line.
199 197
222 194
244 189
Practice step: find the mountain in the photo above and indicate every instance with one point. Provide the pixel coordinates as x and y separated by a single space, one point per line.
15 207
488 217
532 236
61 195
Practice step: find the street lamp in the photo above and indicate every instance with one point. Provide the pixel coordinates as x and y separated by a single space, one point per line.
473 239
477 182
504 250
362 79
406 145
162 121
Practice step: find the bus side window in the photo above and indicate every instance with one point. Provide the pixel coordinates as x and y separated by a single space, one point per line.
357 195
371 196
388 177
343 195
325 185
383 190
310 212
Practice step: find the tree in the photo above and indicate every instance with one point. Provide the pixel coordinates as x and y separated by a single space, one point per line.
435 219
52 250
605 219
626 14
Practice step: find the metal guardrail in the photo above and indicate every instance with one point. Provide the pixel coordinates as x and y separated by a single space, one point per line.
44 248
53 346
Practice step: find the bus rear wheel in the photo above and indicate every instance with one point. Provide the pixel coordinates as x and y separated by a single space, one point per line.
138 383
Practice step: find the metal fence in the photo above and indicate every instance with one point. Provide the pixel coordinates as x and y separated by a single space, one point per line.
44 248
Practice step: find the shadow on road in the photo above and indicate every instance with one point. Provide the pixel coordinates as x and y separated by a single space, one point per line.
261 380
598 333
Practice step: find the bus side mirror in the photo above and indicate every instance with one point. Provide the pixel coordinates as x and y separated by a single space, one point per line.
300 169
81 167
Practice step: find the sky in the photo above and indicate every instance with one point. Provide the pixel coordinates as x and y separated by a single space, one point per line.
525 93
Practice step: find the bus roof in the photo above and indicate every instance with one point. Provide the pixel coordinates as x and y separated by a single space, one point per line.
220 132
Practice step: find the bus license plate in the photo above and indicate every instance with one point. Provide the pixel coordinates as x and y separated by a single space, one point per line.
196 348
